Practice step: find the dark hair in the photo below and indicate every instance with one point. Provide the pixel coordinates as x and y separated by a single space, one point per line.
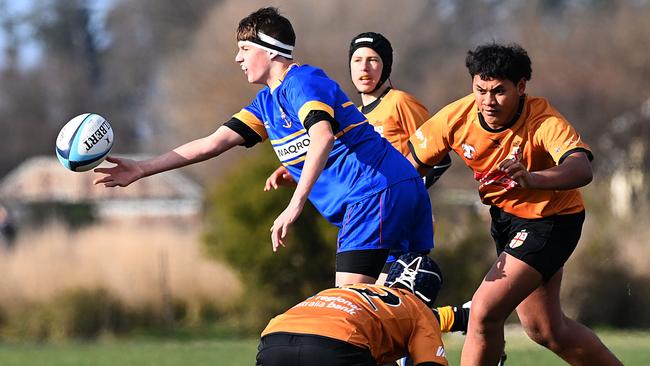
268 21
497 61
378 43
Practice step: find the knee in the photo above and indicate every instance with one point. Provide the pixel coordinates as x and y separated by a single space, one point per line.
537 334
485 316
545 334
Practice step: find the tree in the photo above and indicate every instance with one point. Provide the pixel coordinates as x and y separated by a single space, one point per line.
239 216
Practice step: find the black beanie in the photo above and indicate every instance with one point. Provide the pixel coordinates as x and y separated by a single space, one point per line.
379 44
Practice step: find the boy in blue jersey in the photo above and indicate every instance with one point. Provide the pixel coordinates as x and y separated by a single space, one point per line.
355 178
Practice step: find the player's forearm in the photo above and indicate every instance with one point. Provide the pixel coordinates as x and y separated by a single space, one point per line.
574 172
321 143
193 152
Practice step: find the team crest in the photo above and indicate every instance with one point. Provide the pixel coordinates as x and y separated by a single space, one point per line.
519 239
468 151
287 121
515 153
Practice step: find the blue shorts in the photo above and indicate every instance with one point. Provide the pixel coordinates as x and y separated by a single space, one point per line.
397 218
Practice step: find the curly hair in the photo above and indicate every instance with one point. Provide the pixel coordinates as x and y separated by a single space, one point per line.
497 61
269 21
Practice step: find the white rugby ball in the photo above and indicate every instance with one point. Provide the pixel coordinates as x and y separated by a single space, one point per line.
84 142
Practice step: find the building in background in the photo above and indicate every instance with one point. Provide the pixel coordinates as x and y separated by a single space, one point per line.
40 189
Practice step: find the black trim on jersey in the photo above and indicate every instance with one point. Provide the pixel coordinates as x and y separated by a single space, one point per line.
251 138
415 157
590 156
514 119
315 116
428 364
370 107
437 171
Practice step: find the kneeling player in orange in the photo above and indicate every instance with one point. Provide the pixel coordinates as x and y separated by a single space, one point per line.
362 324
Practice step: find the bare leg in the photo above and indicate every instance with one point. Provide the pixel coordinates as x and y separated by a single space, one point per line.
508 282
544 321
382 279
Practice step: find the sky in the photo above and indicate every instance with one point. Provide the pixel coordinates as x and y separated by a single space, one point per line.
29 51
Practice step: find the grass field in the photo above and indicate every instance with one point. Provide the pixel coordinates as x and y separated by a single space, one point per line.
632 347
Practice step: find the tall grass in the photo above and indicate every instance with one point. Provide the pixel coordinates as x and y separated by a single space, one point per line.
144 267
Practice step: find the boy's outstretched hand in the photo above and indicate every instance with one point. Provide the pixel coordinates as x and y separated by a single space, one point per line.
125 172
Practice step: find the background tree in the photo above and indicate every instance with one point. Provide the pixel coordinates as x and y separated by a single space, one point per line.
238 231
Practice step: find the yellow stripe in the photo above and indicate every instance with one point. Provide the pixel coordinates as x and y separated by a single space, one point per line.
253 122
446 318
347 104
289 137
314 105
342 132
296 161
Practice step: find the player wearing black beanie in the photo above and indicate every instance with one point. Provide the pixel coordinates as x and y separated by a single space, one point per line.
379 44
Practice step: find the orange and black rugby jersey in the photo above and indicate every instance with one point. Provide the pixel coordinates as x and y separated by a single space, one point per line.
391 323
541 138
397 116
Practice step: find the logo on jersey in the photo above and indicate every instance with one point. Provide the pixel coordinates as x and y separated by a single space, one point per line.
469 151
515 153
497 178
423 140
287 121
440 352
519 239
293 149
330 302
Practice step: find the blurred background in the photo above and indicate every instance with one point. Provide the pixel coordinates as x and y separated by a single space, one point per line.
189 251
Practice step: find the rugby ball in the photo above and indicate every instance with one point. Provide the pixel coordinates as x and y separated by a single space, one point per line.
84 142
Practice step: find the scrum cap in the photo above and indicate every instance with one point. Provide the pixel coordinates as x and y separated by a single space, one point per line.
379 44
418 274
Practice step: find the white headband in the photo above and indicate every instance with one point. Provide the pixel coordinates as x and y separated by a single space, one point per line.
271 44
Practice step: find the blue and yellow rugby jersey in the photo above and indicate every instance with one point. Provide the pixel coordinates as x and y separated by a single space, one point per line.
360 164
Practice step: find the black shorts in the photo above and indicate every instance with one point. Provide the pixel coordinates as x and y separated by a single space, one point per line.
281 349
368 262
544 244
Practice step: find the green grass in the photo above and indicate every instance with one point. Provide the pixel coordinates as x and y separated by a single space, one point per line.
632 347
140 352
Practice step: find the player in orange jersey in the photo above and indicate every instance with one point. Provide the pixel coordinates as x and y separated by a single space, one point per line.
395 114
529 162
362 324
